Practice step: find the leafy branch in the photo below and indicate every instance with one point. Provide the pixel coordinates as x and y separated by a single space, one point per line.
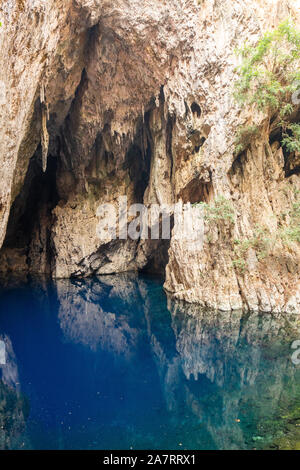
269 75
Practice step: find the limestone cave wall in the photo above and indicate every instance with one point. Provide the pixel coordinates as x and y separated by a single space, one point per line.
103 99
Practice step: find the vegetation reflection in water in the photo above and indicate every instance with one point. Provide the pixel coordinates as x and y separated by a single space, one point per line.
113 363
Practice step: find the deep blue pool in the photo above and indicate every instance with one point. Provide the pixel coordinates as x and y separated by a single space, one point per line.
112 363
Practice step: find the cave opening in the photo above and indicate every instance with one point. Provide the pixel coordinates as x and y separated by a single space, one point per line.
27 244
197 191
291 162
138 162
138 157
195 108
158 255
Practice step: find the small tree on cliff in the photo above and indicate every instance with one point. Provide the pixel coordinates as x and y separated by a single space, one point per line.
269 78
269 82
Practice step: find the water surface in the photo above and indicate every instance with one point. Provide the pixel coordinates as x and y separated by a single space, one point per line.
112 363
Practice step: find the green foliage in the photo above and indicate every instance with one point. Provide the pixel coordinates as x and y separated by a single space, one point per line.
291 233
269 69
262 240
292 141
268 77
239 264
221 210
244 138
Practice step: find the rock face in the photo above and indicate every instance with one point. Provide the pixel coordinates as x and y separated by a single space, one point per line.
135 98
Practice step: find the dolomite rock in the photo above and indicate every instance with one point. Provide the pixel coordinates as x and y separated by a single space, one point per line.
138 97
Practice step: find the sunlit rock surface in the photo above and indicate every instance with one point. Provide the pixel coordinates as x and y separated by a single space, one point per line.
135 97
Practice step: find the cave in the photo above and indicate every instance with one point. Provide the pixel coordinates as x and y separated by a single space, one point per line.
196 191
28 235
291 159
162 331
28 246
195 108
138 158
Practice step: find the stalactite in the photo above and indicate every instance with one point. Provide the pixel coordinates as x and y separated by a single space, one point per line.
44 130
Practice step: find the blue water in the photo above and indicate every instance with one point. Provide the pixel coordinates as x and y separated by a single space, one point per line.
112 363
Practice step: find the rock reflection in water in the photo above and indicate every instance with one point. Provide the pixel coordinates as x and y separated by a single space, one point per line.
98 314
230 373
13 406
245 362
114 363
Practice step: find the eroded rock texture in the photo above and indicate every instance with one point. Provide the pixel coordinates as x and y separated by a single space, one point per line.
135 97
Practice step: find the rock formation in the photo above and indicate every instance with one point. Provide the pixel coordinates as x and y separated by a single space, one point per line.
103 99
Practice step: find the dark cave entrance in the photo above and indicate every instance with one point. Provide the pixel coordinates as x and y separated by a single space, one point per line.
291 164
28 245
28 234
138 163
196 191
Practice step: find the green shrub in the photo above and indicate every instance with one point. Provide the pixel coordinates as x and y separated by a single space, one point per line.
268 76
263 240
292 141
220 210
244 137
291 233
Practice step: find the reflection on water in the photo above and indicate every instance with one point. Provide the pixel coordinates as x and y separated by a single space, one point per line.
13 407
112 363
